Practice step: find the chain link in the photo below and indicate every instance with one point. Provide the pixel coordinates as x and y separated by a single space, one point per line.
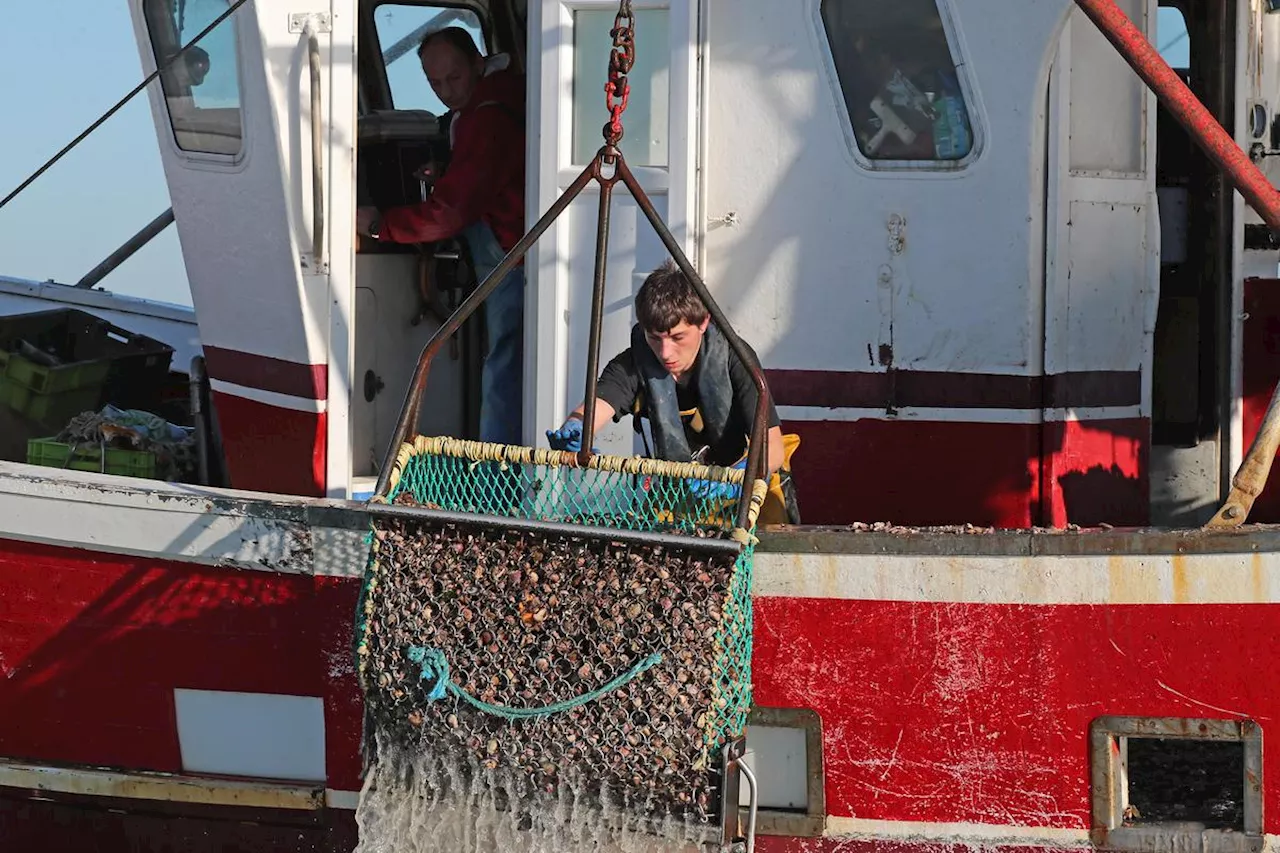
617 90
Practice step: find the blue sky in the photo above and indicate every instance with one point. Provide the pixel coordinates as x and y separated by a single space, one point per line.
63 63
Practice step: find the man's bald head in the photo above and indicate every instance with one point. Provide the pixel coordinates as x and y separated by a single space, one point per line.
453 65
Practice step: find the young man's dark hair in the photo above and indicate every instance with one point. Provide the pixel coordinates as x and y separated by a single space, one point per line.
666 299
459 38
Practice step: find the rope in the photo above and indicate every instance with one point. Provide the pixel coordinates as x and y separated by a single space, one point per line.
436 668
479 451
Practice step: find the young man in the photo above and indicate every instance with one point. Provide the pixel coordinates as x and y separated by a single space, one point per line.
682 374
481 198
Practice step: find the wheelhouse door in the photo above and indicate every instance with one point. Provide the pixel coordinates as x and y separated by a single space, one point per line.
567 102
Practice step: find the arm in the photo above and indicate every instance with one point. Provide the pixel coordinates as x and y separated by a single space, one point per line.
615 392
488 152
775 450
604 414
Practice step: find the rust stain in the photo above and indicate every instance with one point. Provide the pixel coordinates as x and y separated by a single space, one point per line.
1181 591
1257 574
1124 584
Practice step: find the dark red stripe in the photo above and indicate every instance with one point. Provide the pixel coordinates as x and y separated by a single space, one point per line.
268 374
944 390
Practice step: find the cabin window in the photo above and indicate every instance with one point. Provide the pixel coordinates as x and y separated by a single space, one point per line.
1157 780
901 83
784 748
401 28
648 107
202 88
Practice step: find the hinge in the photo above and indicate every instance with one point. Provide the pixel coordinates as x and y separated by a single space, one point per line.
321 22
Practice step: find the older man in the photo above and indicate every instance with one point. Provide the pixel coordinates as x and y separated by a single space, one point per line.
479 197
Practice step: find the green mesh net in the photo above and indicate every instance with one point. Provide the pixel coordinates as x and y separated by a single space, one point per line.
553 654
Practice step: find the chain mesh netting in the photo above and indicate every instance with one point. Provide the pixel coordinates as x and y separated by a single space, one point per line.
560 658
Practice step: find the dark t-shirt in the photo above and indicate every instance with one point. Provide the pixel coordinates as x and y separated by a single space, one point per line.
621 385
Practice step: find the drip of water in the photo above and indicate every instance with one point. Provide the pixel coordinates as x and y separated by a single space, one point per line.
425 803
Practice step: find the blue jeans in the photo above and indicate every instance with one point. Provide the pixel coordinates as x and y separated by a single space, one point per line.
502 380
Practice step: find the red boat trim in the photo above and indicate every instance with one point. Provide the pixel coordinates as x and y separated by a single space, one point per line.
265 373
943 389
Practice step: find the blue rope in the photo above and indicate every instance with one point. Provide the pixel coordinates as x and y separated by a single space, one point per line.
436 669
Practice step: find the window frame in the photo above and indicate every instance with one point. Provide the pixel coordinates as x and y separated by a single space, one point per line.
812 821
386 100
1109 780
199 157
968 90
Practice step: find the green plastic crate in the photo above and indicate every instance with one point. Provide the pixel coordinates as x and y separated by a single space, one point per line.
52 411
121 367
89 457
53 380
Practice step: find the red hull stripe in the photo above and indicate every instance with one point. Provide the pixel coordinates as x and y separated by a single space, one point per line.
946 390
268 374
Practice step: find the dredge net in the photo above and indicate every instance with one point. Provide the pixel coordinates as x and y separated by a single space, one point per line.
547 672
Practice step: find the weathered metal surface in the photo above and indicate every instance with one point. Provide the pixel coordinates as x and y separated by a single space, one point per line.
159 786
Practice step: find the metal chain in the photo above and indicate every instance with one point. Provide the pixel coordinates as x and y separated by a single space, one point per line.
617 90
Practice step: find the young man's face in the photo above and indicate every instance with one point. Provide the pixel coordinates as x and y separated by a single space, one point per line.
452 75
677 348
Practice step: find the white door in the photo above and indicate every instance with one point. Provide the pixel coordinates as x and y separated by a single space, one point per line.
567 102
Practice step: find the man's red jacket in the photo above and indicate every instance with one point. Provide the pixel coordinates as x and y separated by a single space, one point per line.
485 178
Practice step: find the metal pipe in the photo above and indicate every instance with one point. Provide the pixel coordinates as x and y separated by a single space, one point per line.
719 547
317 148
753 801
413 397
126 250
757 454
1183 105
196 379
597 307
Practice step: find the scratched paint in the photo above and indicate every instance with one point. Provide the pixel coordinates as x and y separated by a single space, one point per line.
970 713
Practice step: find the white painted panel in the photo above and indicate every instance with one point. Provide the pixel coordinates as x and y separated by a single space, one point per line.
1108 287
1107 99
800 273
258 735
779 758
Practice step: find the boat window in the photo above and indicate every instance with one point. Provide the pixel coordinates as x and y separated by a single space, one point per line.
899 78
202 88
648 105
401 28
1170 782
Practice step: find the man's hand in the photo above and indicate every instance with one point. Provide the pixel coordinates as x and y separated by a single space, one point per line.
568 437
715 490
365 217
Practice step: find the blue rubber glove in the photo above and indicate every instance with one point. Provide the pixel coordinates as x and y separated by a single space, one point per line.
568 437
714 490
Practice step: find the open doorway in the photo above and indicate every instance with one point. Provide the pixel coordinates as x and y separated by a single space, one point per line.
404 291
1191 373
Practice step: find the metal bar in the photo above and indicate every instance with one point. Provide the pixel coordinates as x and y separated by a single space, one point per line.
317 147
161 68
597 302
1183 105
126 250
719 547
413 397
757 455
754 800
